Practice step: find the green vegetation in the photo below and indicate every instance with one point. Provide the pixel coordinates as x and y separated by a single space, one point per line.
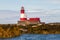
13 30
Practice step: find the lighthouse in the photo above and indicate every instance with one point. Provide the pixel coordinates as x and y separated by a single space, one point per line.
23 16
24 21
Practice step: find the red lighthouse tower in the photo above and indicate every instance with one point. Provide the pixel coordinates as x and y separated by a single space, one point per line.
23 16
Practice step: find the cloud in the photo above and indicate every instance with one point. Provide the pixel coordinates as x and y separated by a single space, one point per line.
7 14
44 15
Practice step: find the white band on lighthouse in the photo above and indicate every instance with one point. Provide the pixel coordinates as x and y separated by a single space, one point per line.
23 16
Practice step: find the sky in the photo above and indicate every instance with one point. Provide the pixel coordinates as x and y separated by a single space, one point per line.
47 10
29 4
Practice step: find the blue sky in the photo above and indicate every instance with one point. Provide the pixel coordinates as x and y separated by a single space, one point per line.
29 4
47 10
8 5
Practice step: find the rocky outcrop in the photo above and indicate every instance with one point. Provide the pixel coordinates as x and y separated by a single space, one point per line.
14 30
